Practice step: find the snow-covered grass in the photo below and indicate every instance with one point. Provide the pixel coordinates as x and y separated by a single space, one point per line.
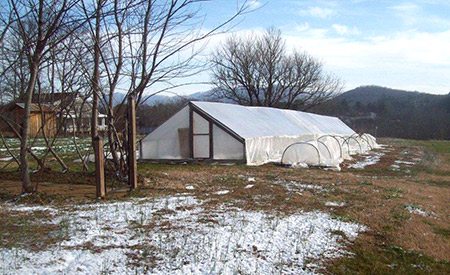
370 159
176 235
293 186
407 163
334 204
62 145
415 209
398 164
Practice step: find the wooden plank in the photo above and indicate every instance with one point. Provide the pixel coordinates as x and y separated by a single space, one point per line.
191 132
99 167
211 140
132 164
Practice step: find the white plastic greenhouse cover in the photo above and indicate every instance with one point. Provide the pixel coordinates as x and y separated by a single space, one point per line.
269 131
266 133
255 122
164 141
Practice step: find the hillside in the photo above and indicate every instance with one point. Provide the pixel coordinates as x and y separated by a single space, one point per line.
383 112
392 113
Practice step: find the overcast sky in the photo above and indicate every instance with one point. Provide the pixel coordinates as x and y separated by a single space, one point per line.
397 44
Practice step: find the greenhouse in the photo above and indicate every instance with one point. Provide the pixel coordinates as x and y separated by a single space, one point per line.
210 131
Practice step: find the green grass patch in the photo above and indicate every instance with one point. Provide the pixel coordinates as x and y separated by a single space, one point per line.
445 232
365 183
343 217
387 260
393 193
30 230
438 230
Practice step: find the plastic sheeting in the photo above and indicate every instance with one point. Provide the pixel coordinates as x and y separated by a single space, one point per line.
165 141
268 134
226 147
269 131
260 122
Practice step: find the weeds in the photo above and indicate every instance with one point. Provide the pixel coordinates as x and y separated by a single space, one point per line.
393 193
373 259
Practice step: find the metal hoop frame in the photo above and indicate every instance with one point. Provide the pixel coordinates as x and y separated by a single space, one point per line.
298 143
368 139
363 137
353 137
335 138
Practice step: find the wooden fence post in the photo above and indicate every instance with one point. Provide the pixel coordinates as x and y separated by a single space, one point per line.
99 167
132 165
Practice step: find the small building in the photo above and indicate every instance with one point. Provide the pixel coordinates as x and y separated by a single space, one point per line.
55 113
73 111
254 135
42 120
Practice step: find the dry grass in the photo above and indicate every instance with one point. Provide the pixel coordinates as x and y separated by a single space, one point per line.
377 196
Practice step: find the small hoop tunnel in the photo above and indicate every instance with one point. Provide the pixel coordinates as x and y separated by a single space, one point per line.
329 152
342 143
335 138
300 143
363 137
366 138
353 137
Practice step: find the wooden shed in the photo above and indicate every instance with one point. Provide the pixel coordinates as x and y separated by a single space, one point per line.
42 119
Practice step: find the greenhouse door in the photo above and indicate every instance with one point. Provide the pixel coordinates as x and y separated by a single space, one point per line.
201 137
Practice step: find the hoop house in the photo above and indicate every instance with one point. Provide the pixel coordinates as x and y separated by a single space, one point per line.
254 135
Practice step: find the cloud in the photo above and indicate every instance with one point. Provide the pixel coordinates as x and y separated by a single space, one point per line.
406 7
318 12
254 4
409 13
400 60
345 30
411 60
413 15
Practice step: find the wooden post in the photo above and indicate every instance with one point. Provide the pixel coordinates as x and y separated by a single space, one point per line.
132 165
99 167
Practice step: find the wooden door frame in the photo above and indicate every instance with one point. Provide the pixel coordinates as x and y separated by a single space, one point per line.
212 121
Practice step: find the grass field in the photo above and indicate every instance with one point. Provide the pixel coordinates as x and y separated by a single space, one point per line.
389 217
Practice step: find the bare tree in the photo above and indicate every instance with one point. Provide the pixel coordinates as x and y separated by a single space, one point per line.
136 46
41 25
140 44
257 70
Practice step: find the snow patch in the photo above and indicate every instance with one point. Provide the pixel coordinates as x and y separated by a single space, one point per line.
25 208
248 186
293 186
222 192
367 161
300 165
334 204
6 159
169 236
407 163
414 209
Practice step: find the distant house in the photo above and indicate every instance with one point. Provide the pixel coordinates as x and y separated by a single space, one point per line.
73 112
42 120
54 113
